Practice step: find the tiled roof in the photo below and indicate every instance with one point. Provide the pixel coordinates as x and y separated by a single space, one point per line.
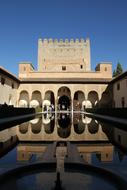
119 77
66 80
8 74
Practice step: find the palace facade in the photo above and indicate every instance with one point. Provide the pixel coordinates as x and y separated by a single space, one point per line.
64 78
63 81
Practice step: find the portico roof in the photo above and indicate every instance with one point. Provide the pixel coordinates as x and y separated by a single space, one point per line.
67 80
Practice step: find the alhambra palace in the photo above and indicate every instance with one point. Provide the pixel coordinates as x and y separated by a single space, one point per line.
64 79
62 120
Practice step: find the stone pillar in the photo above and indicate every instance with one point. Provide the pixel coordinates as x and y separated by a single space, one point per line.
86 97
42 98
86 129
86 94
30 97
17 99
72 107
100 91
72 99
72 134
56 101
42 128
72 104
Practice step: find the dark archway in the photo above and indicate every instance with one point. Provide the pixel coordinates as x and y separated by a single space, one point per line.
49 128
49 101
93 98
64 125
79 128
79 97
64 102
49 95
24 99
64 98
23 128
64 132
93 127
36 128
64 120
36 100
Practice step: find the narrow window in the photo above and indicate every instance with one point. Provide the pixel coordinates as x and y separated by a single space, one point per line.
12 85
2 80
118 86
24 68
123 102
63 68
81 66
105 68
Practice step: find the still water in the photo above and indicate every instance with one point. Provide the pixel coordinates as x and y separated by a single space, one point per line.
99 144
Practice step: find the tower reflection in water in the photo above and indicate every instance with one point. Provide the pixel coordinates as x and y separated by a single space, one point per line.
94 140
88 133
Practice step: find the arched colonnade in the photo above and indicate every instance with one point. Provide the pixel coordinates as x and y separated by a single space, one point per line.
62 98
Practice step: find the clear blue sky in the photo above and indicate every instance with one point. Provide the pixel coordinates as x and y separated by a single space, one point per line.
22 22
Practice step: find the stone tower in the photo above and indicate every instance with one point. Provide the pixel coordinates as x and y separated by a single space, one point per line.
64 55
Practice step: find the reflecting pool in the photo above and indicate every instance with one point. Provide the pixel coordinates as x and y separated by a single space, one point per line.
61 140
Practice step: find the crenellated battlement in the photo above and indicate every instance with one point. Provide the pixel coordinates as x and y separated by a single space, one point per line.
64 41
64 54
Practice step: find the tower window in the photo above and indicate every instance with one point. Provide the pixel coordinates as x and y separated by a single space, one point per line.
81 66
123 102
105 68
12 85
2 80
118 86
63 68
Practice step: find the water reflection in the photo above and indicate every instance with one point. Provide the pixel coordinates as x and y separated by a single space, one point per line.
98 143
79 125
48 122
24 127
49 128
116 135
61 127
93 126
79 128
36 125
29 153
102 152
64 120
